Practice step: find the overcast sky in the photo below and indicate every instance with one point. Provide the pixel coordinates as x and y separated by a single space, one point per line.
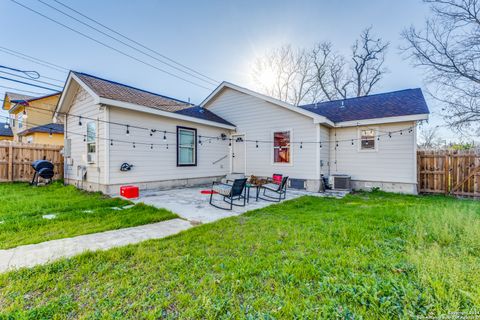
220 39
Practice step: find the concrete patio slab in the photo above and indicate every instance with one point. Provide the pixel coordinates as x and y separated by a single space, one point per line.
41 253
190 204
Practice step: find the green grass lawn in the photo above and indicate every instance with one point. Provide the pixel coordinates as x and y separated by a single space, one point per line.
369 255
22 208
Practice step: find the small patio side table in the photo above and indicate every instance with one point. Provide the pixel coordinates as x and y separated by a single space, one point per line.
257 186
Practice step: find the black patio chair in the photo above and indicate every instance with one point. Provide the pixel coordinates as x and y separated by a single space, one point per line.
279 189
230 193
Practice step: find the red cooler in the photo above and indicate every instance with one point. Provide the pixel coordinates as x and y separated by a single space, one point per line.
129 192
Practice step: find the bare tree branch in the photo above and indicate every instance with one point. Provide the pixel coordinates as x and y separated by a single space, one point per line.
448 48
320 73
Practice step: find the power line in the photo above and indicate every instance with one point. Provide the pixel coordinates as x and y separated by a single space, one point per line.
128 45
108 46
28 73
39 81
29 84
34 60
133 41
16 89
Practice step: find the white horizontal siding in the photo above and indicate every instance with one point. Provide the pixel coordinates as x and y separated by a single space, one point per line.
258 119
160 163
83 104
325 151
393 162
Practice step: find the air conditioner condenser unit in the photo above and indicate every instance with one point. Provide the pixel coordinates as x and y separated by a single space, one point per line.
340 181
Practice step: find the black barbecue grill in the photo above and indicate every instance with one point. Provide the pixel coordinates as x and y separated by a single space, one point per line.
43 169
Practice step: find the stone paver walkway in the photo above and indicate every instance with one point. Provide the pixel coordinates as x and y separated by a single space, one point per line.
35 254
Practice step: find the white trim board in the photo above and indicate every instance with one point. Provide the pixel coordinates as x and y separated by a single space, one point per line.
354 123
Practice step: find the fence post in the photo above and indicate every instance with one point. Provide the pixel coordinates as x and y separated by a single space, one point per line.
447 172
10 161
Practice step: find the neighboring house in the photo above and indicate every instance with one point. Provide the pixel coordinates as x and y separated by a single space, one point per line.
235 130
30 115
5 131
51 133
11 96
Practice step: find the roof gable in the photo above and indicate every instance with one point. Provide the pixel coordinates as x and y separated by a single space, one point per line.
227 85
12 96
384 105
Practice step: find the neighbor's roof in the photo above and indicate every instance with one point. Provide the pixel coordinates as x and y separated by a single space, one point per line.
30 99
51 127
5 132
121 92
391 104
16 96
12 96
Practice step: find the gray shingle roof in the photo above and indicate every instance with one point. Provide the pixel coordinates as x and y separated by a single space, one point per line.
121 92
383 105
5 132
202 113
51 127
17 96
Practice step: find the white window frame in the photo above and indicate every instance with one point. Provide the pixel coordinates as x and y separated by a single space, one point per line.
20 120
291 148
375 141
91 155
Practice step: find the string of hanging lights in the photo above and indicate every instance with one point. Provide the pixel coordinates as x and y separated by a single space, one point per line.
223 137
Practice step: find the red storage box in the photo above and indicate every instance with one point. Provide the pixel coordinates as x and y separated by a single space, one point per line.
130 192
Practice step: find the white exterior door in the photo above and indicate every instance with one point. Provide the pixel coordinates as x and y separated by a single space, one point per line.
238 154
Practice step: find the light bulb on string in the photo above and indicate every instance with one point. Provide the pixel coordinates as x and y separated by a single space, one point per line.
256 144
164 135
301 145
128 130
80 120
111 142
84 138
151 146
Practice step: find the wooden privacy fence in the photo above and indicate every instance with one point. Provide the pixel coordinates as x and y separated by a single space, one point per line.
449 172
16 159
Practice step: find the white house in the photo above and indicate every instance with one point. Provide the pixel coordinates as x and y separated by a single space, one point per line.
234 130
